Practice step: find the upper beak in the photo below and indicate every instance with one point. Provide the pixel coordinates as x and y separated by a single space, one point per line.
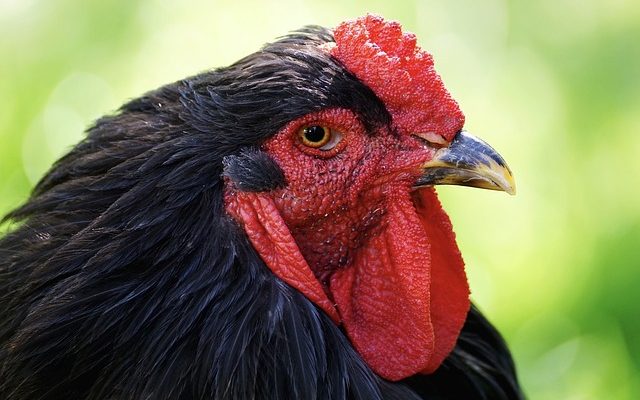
468 161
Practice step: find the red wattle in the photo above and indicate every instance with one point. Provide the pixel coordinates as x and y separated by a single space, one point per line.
384 296
449 288
404 298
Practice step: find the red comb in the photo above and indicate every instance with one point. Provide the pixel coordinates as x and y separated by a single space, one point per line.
400 73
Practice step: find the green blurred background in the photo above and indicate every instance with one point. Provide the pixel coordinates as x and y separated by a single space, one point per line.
553 85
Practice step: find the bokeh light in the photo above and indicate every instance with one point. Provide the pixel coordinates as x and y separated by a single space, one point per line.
553 85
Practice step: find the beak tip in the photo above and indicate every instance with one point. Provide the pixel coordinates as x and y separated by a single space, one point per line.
509 185
504 181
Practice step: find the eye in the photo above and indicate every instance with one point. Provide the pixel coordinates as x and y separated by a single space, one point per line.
319 137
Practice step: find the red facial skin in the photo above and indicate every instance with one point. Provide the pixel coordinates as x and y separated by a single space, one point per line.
349 230
343 187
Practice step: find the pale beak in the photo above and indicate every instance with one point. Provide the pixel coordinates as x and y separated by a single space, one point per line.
468 161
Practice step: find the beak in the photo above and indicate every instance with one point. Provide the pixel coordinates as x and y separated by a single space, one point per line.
468 161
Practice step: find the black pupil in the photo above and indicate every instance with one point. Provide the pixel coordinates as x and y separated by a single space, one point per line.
314 133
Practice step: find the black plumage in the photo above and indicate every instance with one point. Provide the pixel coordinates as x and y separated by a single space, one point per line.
124 278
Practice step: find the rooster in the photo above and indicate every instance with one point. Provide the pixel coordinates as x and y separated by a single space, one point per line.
267 230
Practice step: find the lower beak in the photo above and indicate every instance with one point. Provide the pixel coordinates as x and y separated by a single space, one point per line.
468 161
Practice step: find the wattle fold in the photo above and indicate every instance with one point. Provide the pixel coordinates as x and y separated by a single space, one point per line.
405 297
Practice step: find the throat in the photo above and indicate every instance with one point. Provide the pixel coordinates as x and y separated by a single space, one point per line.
330 242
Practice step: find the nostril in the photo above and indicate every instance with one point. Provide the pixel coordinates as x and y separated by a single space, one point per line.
432 139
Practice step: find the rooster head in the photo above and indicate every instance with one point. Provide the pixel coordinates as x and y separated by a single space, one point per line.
352 220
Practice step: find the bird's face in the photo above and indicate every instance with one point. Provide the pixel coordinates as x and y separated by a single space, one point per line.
357 226
340 179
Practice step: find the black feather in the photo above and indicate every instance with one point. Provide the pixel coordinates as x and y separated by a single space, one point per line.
125 279
253 171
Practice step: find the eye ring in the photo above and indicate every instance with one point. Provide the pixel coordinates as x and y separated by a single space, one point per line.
314 136
319 137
